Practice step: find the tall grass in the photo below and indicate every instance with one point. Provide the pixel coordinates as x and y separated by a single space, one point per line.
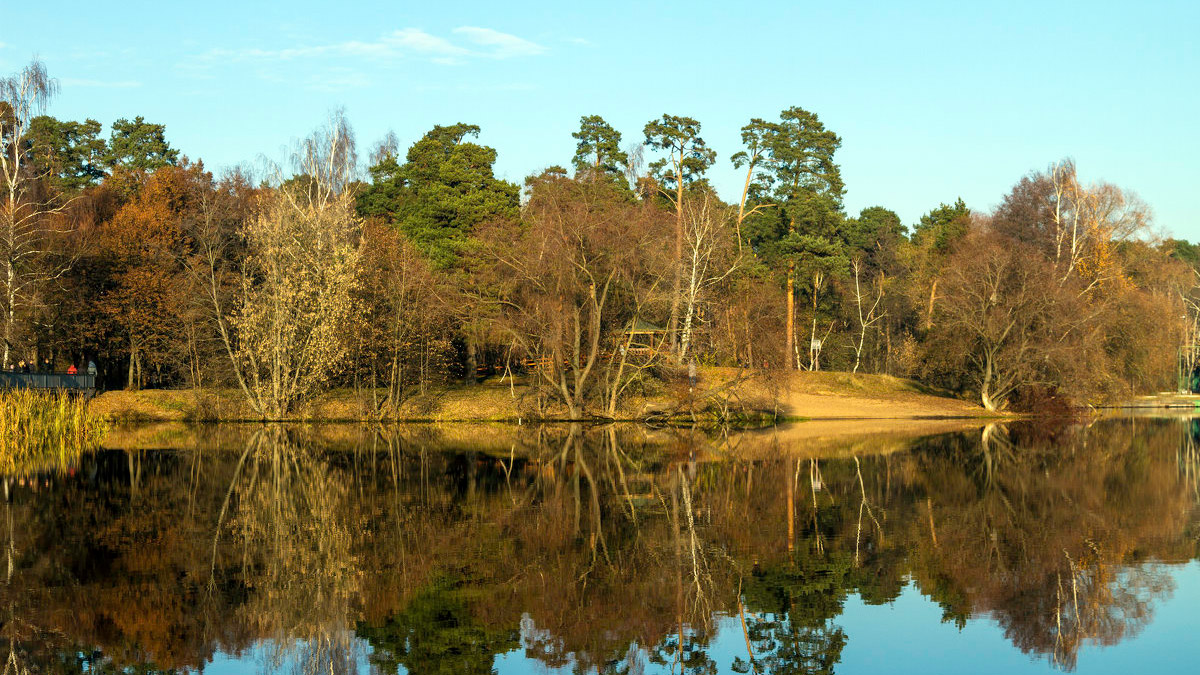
44 430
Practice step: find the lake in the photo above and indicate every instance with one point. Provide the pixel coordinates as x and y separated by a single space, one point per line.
1026 547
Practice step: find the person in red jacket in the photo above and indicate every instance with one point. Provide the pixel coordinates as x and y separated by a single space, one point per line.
72 370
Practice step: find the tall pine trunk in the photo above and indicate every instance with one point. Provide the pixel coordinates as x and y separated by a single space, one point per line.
791 315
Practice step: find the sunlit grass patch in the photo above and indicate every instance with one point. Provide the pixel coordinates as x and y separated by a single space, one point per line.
42 431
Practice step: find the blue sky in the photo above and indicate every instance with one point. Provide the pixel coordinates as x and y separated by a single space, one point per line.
933 100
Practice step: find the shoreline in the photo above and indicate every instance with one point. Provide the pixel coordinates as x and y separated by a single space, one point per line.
725 396
812 438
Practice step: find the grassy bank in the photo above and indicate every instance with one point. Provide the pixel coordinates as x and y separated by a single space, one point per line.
721 391
43 430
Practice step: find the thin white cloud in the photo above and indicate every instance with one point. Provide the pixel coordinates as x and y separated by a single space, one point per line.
501 45
420 42
480 43
99 84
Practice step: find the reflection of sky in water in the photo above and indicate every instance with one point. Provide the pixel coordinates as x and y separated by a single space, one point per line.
909 637
263 658
906 636
441 559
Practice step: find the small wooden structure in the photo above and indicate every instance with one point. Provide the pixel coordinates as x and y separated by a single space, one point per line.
643 337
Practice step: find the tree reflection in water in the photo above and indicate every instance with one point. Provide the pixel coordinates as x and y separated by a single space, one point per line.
595 549
285 513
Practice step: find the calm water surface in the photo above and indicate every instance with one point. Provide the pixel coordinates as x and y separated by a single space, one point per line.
567 549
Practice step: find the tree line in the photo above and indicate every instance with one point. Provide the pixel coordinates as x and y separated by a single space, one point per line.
593 282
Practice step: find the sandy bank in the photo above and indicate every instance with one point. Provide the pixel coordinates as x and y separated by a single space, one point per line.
813 439
787 396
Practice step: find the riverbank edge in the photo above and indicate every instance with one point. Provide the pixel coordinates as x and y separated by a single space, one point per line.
725 396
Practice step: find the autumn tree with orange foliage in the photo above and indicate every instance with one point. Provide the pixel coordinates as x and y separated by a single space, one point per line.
145 244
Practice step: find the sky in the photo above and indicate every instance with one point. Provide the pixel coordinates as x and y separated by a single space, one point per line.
933 100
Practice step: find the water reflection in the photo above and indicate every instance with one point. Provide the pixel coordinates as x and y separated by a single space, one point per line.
586 549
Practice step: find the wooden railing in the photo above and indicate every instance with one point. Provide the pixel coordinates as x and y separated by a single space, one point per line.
640 352
54 381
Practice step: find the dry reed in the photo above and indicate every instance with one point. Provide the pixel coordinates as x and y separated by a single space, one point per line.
42 431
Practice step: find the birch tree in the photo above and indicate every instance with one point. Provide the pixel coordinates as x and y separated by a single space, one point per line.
707 259
871 315
1076 226
687 158
1190 322
30 219
1087 220
289 332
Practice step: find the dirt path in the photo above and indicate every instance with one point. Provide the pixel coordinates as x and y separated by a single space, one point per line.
833 395
839 406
